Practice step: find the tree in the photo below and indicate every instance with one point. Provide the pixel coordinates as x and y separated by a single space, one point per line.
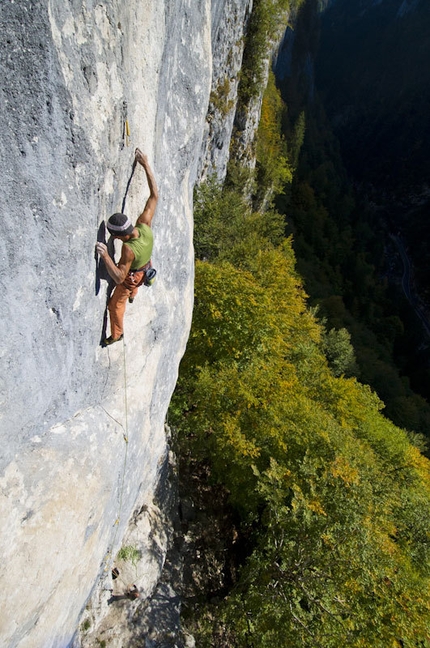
340 352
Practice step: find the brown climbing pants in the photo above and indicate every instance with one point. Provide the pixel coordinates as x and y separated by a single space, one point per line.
118 301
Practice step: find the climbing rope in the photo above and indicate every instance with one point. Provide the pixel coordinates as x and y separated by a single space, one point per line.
126 430
128 185
109 558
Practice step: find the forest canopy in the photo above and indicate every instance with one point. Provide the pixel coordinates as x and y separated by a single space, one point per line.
334 497
327 498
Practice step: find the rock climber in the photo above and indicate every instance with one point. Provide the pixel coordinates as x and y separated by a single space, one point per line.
135 262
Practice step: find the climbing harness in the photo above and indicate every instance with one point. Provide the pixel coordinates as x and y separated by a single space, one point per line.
147 278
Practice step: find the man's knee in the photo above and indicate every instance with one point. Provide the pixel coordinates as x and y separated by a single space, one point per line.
118 298
113 299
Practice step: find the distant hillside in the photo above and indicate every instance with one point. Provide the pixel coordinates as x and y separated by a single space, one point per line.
341 220
373 76
373 73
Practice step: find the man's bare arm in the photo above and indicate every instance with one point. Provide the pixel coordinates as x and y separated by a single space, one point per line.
149 209
118 271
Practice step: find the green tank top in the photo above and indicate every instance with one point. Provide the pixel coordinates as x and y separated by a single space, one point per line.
141 247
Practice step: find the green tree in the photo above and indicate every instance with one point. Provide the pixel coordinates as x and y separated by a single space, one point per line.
273 167
334 499
340 352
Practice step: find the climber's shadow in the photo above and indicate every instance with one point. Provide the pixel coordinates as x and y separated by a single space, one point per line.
102 274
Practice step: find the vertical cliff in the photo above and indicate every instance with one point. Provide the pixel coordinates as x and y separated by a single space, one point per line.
230 19
82 427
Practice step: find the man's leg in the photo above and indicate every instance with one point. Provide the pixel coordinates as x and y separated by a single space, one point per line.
133 281
116 307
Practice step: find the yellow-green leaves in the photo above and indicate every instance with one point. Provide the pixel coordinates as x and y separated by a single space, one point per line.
337 498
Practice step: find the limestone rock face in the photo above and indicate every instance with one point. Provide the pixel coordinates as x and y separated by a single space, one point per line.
228 28
82 427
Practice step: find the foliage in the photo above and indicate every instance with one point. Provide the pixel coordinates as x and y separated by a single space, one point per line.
264 25
334 497
340 352
273 168
383 142
339 245
224 220
220 97
85 625
129 553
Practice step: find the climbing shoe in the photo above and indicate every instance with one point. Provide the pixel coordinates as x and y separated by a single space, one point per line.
130 300
111 340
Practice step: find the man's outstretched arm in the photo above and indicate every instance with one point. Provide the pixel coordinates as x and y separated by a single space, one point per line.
149 209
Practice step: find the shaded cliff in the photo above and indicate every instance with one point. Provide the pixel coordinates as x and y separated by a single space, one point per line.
83 439
373 74
343 222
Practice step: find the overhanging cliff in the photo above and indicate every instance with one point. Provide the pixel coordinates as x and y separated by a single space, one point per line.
82 427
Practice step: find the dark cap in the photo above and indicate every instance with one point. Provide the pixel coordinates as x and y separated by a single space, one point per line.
119 225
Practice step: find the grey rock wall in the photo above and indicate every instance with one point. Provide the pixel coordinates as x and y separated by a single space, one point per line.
229 23
247 117
82 427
